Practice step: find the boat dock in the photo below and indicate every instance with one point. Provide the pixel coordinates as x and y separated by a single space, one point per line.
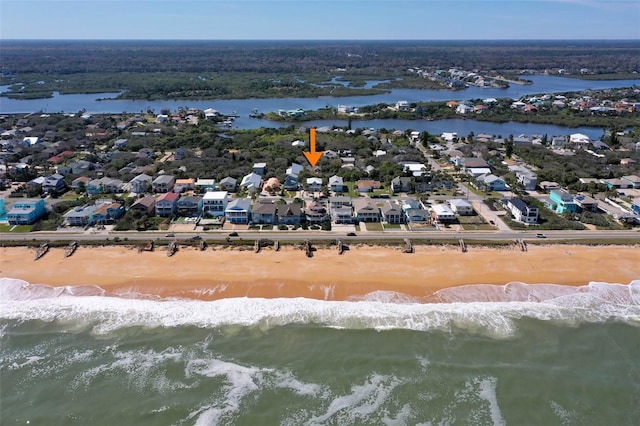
71 248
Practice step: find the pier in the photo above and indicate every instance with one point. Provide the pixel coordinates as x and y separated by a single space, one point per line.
71 248
41 251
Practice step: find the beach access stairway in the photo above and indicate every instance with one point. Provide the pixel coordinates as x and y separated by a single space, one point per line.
172 248
41 251
463 246
342 247
409 247
522 244
71 248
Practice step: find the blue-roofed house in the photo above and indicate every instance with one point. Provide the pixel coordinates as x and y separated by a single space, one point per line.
238 211
26 212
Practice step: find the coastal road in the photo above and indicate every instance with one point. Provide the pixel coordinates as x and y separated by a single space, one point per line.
630 235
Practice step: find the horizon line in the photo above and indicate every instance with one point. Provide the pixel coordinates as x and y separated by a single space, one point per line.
318 40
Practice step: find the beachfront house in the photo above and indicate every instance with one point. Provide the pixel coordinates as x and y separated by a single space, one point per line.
289 214
146 205
26 212
366 210
79 216
167 204
461 207
316 212
107 213
521 211
442 213
264 212
189 206
238 211
392 213
214 203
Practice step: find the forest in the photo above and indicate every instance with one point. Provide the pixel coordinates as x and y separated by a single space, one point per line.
223 70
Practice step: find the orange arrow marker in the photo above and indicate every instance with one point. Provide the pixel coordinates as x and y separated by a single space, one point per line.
312 156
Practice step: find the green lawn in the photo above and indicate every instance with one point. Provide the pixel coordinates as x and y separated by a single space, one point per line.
15 228
374 226
391 226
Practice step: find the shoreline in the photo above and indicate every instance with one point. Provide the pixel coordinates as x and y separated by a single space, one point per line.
226 273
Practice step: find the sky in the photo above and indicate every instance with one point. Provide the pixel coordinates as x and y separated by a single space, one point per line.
319 19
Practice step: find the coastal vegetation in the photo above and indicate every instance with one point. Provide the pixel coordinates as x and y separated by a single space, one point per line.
223 70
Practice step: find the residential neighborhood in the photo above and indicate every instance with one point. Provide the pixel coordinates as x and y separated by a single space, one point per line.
110 172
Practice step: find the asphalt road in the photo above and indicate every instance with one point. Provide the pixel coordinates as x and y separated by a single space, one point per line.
630 235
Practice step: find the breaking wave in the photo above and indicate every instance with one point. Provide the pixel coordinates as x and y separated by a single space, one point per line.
488 310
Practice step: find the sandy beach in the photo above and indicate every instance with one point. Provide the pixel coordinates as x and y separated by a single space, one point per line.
220 273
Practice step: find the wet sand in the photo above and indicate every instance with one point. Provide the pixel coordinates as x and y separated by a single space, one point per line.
222 273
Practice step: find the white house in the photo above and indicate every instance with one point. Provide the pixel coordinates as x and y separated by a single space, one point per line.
449 136
463 109
251 182
214 203
402 106
521 211
314 184
442 213
295 169
461 207
336 183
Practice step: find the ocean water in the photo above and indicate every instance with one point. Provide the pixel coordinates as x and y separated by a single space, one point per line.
483 355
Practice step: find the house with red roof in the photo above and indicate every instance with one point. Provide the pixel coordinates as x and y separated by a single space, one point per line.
166 204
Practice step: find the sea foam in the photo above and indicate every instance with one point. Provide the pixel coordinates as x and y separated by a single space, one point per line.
457 309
